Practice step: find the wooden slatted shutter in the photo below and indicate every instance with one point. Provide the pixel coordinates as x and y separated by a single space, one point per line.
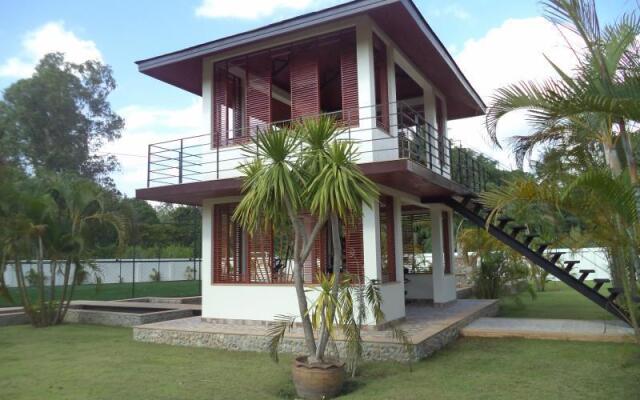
305 82
220 109
381 82
227 245
354 249
260 258
349 79
258 97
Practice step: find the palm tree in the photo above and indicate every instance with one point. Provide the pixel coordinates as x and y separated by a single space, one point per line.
50 219
603 202
306 170
596 103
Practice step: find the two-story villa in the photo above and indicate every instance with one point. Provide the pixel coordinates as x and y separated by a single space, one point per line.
375 65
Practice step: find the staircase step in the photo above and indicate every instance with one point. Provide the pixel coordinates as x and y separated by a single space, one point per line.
517 229
529 238
584 273
570 264
467 198
555 256
599 282
503 221
614 293
477 207
542 247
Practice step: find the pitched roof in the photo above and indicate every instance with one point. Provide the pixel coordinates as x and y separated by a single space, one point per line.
400 19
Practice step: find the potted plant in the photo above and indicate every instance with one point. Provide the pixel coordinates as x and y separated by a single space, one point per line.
294 172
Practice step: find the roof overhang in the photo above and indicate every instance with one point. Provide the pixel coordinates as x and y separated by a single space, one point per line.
400 19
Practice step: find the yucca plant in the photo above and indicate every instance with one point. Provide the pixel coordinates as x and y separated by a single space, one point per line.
295 172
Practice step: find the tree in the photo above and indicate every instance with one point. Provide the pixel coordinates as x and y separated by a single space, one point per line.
298 171
59 118
586 117
50 218
596 103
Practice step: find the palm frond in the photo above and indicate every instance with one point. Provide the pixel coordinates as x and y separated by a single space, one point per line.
276 331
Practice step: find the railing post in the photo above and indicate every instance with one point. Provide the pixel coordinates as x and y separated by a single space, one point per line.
180 161
148 165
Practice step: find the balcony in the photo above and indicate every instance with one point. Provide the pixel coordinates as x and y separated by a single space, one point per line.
403 134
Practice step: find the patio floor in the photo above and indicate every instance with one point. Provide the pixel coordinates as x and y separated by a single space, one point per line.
429 329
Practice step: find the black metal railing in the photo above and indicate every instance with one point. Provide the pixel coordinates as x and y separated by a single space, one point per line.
403 133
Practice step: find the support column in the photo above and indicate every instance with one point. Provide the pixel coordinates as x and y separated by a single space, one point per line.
371 241
393 99
366 74
397 232
444 287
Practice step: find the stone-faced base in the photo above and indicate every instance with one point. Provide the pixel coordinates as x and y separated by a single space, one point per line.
428 333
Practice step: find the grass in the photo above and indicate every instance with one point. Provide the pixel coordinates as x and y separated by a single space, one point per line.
557 301
81 361
115 291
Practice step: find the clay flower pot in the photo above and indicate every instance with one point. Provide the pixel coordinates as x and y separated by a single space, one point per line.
317 381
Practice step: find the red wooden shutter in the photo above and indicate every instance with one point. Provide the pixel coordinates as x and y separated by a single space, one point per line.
349 79
353 248
381 82
227 245
305 83
260 257
258 97
220 111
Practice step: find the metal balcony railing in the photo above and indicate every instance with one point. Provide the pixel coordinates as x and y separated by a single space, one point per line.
402 133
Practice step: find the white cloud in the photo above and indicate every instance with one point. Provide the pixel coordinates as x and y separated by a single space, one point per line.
50 37
508 54
144 126
451 10
248 9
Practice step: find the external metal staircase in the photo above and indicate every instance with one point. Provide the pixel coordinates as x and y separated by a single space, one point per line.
508 232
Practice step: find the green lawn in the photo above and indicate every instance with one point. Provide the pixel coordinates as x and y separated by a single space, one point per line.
115 291
557 301
82 362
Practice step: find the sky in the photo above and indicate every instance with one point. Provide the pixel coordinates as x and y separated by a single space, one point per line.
495 43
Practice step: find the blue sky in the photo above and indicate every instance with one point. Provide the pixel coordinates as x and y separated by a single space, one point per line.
120 32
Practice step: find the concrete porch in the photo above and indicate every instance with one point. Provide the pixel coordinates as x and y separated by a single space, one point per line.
429 328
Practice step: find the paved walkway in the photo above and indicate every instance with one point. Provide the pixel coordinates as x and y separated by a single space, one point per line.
558 329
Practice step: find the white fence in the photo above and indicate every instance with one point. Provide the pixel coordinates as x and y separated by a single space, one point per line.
121 270
594 258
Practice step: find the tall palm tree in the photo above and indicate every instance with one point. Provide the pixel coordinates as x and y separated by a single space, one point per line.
596 102
297 171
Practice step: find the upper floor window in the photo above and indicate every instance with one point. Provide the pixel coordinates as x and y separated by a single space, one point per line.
311 77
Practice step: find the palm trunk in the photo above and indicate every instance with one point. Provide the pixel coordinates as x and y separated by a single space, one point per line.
4 290
298 281
73 288
24 296
65 286
52 288
337 267
44 315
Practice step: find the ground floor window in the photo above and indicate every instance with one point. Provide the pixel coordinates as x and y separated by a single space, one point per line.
267 256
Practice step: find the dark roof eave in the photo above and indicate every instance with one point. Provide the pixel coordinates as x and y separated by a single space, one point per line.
278 28
311 19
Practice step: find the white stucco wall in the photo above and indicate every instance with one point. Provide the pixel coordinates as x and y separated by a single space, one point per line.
419 286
